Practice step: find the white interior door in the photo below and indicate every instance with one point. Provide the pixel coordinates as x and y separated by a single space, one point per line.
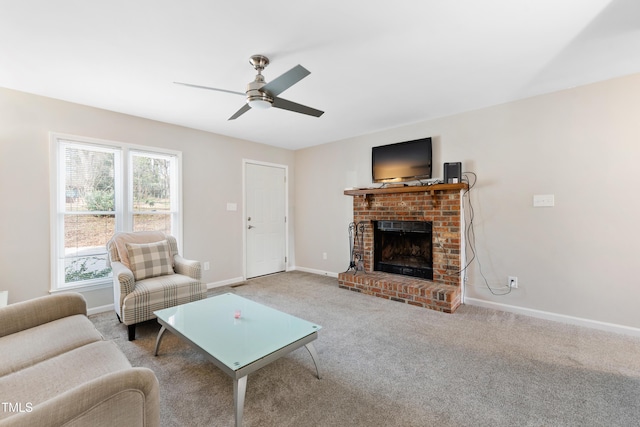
265 221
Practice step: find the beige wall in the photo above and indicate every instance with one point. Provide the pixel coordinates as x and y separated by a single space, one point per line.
576 259
212 176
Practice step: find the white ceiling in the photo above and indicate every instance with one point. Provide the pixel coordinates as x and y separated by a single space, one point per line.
375 64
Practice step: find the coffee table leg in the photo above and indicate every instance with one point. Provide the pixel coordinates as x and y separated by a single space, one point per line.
239 391
314 357
155 353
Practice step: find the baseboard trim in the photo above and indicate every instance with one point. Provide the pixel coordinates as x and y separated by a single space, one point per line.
546 315
226 282
562 318
314 271
101 309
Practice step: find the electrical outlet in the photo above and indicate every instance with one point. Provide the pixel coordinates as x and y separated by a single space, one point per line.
206 265
513 282
324 255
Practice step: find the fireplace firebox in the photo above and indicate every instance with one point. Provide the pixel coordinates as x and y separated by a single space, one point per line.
403 247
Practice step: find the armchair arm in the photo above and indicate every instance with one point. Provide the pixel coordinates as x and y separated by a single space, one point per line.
128 397
123 279
187 267
28 314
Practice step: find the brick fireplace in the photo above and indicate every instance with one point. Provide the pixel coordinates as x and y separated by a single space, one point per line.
439 205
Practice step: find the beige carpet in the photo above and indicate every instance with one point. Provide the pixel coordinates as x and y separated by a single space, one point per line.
386 363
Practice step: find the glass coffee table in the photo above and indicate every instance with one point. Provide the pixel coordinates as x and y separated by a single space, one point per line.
238 335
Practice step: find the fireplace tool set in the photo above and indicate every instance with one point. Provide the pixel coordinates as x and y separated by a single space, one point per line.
356 239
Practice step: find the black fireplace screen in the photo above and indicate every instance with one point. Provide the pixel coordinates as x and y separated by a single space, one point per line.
403 247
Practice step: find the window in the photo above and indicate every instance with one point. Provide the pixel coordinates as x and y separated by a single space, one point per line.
153 198
101 187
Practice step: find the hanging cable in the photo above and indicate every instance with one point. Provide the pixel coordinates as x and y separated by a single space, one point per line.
471 235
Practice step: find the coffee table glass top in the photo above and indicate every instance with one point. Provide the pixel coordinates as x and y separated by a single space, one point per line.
234 330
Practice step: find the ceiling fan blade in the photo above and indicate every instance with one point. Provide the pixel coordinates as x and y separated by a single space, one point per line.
298 108
286 80
240 112
211 88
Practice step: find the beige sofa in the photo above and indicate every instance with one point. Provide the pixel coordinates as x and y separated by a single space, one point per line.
57 370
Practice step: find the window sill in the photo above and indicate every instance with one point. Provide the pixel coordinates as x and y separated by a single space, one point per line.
83 287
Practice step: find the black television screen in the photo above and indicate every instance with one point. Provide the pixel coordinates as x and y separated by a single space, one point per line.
403 161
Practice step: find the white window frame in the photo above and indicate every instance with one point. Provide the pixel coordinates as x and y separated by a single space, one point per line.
124 198
174 183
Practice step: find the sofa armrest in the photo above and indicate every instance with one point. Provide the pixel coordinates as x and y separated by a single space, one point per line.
122 278
28 314
129 397
187 267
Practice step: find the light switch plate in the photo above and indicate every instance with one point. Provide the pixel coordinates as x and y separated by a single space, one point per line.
543 200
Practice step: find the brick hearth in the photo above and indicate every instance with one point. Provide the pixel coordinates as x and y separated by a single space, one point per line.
440 204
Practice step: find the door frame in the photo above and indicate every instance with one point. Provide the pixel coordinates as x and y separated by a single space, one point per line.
246 162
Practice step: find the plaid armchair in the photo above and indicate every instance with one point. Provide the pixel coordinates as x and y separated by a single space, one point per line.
149 275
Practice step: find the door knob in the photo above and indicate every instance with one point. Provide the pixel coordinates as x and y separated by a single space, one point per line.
250 227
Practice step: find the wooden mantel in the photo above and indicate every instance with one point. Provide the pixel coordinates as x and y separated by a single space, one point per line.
406 189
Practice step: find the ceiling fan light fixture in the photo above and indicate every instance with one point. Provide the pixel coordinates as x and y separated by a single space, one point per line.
259 104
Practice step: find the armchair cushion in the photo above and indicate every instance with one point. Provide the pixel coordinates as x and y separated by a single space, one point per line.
156 293
150 259
117 246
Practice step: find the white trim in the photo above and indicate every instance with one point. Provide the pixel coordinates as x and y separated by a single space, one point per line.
562 318
314 271
111 143
80 287
4 298
101 309
245 162
227 282
53 210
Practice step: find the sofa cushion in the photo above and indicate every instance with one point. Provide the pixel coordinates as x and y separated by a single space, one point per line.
52 377
39 343
150 259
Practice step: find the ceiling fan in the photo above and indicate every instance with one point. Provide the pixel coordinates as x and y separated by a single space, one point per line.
262 95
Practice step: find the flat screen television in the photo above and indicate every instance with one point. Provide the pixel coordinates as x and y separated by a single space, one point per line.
402 161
